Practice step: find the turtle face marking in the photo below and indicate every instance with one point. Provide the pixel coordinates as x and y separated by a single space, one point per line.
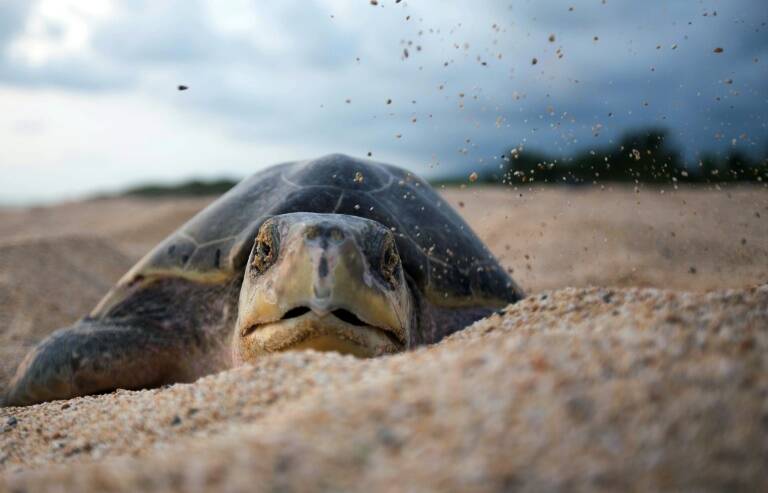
326 282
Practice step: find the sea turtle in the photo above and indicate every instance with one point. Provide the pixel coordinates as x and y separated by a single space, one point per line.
335 253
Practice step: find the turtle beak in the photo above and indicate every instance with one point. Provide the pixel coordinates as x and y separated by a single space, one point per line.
320 294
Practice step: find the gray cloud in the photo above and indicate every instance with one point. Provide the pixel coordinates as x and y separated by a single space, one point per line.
164 33
74 73
293 91
13 15
81 73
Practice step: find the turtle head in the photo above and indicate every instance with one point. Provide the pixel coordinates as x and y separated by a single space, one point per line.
328 282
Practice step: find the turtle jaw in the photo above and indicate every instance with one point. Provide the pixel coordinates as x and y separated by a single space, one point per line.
320 332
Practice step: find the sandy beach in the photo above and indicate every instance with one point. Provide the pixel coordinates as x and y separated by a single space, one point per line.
637 362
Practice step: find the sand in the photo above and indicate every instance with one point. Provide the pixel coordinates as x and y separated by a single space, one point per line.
655 380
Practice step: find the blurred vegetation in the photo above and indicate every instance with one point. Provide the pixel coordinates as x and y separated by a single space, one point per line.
192 188
644 156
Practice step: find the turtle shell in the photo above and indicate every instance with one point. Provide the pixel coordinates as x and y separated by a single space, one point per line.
441 254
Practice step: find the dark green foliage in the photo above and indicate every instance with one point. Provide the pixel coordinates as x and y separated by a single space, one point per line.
192 188
643 156
640 157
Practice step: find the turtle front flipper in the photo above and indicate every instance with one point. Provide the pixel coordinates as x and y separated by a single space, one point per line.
95 356
146 333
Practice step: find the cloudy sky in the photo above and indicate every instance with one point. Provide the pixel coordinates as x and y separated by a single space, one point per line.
89 99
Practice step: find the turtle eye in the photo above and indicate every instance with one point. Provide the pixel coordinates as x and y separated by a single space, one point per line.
390 261
265 248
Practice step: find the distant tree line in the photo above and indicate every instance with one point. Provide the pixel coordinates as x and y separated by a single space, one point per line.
192 188
644 156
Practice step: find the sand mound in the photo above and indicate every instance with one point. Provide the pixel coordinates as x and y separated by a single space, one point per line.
49 283
578 389
133 225
571 389
690 239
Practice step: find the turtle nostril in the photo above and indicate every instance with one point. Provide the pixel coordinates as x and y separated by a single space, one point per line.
348 317
322 269
295 312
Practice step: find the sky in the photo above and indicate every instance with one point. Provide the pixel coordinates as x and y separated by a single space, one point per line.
89 100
